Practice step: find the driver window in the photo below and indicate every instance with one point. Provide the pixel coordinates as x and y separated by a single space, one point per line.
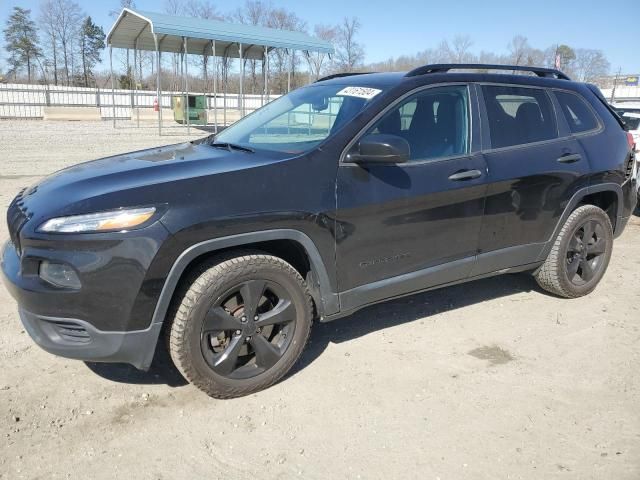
435 122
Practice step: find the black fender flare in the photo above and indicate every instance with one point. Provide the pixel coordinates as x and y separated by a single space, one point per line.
574 201
328 301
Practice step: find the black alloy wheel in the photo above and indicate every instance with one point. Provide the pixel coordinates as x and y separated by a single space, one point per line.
239 323
585 252
248 329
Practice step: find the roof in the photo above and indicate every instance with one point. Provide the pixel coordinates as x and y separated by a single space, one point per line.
133 25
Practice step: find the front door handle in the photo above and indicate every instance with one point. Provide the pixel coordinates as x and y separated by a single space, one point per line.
570 158
465 175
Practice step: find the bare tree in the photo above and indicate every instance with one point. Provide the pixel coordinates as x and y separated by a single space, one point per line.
174 7
460 49
317 60
68 20
518 50
123 4
48 24
285 60
590 64
350 53
253 12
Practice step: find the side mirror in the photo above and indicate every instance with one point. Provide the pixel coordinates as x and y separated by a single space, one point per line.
380 148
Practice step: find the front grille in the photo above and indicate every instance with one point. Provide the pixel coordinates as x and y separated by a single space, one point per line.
70 331
17 216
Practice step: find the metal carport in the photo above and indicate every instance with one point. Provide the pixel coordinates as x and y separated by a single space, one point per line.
141 30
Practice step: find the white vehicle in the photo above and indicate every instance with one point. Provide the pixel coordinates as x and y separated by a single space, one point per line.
632 119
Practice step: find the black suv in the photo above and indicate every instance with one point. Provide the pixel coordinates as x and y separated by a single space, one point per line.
350 191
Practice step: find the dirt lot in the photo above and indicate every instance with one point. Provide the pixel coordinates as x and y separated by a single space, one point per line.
492 379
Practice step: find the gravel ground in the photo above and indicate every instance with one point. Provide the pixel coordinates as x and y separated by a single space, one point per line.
492 379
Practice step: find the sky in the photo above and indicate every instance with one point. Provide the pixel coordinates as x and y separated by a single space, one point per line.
406 27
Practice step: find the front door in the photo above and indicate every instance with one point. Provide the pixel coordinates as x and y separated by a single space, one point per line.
408 226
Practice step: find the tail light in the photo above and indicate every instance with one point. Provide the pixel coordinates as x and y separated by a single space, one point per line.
631 141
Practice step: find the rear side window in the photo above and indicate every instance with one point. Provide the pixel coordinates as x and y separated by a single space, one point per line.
518 115
578 114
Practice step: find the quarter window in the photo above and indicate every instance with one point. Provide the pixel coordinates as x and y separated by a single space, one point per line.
578 114
435 122
518 115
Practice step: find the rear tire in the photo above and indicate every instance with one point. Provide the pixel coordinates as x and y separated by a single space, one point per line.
239 324
580 254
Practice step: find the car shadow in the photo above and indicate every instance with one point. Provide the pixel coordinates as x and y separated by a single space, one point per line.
411 308
162 370
370 319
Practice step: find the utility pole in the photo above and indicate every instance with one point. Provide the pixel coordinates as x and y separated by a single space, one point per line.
615 84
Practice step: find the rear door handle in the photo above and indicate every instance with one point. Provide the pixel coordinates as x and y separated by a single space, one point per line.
465 175
570 158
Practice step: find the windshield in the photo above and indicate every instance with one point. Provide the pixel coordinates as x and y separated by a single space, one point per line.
300 120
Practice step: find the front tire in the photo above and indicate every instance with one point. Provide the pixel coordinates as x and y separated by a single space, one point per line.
580 254
239 324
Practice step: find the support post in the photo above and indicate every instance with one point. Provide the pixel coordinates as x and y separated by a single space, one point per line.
113 85
241 97
215 86
186 84
136 53
266 75
158 85
289 73
205 71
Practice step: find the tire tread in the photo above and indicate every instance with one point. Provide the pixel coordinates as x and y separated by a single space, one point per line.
210 275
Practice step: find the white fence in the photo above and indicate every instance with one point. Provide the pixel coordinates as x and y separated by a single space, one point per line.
27 101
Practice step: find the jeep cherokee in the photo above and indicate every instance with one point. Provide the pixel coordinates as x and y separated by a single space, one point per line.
350 191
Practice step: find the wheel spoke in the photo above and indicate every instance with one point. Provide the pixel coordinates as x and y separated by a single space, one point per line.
575 243
283 312
587 270
251 293
598 247
218 319
266 353
588 230
225 362
572 268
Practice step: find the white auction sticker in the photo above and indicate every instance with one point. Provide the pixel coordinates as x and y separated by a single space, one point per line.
360 92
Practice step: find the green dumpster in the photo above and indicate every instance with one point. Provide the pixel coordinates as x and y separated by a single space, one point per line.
197 109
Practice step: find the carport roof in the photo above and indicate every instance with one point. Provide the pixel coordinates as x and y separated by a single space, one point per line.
133 25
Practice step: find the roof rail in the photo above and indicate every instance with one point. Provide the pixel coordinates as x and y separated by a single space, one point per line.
340 75
445 67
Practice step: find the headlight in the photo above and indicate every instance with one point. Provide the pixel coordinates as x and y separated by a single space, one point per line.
99 222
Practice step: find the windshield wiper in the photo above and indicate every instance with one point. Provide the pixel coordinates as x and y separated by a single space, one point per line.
232 146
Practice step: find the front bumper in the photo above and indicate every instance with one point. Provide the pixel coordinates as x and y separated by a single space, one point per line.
73 338
109 319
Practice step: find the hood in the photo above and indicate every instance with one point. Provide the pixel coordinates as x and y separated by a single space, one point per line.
122 180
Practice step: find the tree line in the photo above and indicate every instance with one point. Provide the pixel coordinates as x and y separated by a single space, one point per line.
582 64
64 46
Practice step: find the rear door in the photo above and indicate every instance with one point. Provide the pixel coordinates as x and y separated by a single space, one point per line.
404 227
535 166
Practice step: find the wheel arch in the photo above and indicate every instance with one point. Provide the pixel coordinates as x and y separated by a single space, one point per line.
271 242
591 195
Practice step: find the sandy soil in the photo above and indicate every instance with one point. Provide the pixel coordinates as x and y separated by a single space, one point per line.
492 379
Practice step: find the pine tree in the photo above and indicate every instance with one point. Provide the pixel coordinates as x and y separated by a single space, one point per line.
91 44
21 40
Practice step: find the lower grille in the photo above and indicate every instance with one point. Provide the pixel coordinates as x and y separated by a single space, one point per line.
70 331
